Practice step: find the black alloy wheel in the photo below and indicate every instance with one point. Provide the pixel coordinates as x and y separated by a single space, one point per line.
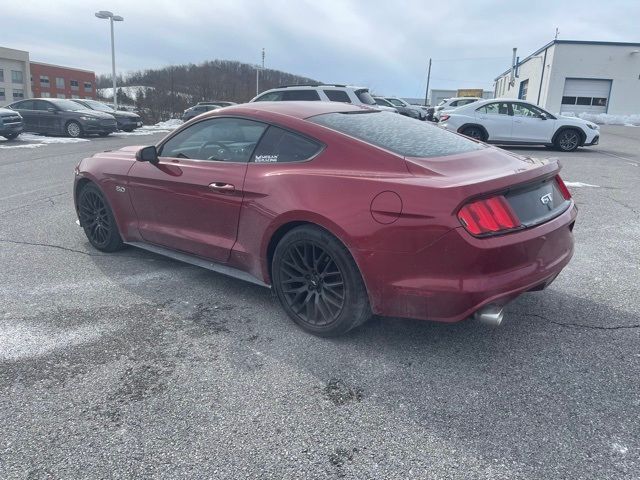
312 283
318 283
96 218
568 140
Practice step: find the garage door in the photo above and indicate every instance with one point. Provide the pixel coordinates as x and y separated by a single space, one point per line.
585 95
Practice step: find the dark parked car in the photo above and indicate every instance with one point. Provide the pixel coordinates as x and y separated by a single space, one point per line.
56 116
127 121
407 109
418 222
401 109
196 110
11 124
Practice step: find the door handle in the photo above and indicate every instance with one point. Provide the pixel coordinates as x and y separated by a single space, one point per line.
222 187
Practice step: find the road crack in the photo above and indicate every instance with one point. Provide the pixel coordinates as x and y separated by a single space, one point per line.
66 249
38 201
581 325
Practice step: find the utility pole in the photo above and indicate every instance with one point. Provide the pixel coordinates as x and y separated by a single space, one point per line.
104 14
426 93
258 74
557 33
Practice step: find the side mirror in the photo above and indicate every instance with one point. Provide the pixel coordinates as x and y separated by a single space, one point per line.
543 116
148 154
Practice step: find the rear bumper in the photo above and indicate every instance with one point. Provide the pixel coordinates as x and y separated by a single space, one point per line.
458 274
99 128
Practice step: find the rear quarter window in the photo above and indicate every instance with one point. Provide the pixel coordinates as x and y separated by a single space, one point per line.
337 96
279 146
397 133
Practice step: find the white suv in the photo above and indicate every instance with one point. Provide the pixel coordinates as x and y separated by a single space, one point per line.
452 103
324 93
516 122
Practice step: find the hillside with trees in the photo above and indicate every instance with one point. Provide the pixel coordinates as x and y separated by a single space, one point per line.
172 89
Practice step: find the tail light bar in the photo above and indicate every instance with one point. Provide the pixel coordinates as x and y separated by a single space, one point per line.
488 216
563 188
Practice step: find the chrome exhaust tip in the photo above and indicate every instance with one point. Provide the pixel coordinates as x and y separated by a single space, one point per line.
491 315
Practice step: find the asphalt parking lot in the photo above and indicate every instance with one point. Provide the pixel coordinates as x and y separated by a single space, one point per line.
130 365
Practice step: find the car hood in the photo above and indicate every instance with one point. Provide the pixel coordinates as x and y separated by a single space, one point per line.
123 114
575 121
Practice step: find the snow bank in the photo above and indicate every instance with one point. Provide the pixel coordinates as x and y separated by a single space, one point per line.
164 126
607 119
580 184
36 141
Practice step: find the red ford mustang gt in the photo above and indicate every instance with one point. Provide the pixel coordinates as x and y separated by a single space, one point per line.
343 210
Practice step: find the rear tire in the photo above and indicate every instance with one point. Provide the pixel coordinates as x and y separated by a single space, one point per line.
568 140
97 220
318 282
73 129
474 132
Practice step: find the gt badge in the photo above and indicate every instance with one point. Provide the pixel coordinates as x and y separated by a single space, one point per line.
547 200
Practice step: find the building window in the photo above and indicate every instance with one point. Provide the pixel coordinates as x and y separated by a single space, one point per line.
583 101
599 102
44 81
18 93
61 95
2 95
75 96
88 87
16 76
59 82
45 94
74 84
524 87
568 100
1 75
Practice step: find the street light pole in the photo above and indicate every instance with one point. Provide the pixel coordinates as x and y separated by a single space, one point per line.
258 74
426 93
104 14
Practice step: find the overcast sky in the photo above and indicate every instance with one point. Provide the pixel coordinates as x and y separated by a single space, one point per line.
384 45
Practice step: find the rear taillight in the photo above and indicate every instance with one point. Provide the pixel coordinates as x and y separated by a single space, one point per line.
563 188
444 118
488 216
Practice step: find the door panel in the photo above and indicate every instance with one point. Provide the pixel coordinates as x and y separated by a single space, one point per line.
190 201
495 118
528 126
176 207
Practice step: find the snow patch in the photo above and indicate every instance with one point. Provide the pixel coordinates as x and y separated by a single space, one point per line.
169 124
130 91
580 184
619 448
26 145
29 137
607 119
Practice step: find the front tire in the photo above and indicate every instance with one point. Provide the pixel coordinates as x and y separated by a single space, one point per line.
73 129
11 136
318 282
97 220
568 140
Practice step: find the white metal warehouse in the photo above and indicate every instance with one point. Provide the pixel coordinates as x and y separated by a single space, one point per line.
578 76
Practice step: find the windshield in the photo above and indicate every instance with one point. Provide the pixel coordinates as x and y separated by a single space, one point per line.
365 97
442 102
397 133
382 101
69 105
98 106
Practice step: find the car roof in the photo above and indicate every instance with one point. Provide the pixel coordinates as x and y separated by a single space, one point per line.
297 109
316 87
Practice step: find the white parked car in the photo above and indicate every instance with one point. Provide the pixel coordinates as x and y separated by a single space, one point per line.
323 93
451 104
516 122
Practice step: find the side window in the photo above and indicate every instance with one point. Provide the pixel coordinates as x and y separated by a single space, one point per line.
294 95
41 105
521 110
337 96
270 97
454 103
280 146
219 139
26 105
494 109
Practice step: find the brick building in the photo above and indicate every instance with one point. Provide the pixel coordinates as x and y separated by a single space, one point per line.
61 82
